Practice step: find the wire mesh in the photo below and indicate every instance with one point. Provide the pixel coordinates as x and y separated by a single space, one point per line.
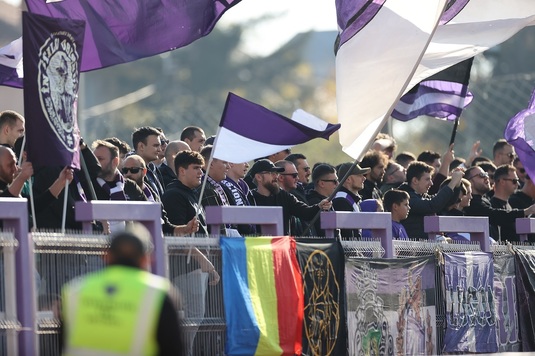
412 248
202 310
9 324
364 248
60 258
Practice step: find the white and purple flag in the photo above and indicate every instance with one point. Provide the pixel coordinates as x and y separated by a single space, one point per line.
11 72
120 31
52 51
520 132
381 42
248 131
380 46
442 96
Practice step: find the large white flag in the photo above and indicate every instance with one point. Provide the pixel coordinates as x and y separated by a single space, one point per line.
366 86
375 62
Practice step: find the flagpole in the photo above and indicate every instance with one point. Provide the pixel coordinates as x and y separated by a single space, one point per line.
32 205
87 176
21 153
65 198
464 91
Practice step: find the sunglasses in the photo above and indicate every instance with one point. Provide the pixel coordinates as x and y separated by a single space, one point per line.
514 180
480 175
134 170
293 175
335 181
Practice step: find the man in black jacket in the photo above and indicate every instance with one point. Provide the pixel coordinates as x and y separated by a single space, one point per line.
268 193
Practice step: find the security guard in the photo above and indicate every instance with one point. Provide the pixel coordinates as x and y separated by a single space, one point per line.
123 309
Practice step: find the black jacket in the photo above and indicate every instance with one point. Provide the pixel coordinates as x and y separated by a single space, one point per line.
290 206
182 204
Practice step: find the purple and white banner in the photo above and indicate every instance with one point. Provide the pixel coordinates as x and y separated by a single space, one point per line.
525 278
52 51
391 306
470 314
11 71
506 304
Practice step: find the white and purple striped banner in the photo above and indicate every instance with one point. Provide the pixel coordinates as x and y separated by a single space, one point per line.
249 131
11 71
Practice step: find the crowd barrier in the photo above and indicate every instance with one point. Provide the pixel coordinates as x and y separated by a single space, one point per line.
34 266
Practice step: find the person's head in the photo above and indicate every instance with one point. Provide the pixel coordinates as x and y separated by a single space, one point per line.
188 168
457 161
237 170
300 162
163 141
489 168
377 162
419 176
11 127
131 247
107 155
405 158
146 142
395 173
287 180
385 143
123 147
479 180
466 193
8 164
218 168
479 159
325 179
173 147
505 181
396 202
355 180
431 158
520 170
134 168
503 152
194 136
457 193
265 175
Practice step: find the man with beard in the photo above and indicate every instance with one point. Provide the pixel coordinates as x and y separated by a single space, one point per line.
268 193
377 162
481 206
395 175
134 168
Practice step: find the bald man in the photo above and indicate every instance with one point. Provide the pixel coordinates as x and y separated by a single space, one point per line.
166 168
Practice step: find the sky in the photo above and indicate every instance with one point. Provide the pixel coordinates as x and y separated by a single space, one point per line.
292 17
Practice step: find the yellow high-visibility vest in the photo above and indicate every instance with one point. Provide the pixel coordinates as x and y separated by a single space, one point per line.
113 312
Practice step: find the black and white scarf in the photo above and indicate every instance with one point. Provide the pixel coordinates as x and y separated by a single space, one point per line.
117 191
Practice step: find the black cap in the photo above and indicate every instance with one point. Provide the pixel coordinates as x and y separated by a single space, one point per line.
344 167
264 165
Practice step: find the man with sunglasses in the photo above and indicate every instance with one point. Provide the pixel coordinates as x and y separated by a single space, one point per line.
503 152
481 205
268 193
505 184
325 182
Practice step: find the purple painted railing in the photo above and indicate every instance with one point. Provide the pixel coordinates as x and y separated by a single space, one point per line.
477 227
147 213
14 213
525 226
268 217
380 225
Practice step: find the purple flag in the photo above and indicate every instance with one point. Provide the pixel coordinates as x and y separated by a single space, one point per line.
443 96
123 31
520 132
248 131
11 64
470 313
52 50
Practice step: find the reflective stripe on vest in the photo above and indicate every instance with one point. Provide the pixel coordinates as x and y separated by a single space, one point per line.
114 312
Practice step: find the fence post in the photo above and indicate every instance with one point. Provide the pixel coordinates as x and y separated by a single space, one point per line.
477 227
525 226
147 213
268 217
379 223
14 213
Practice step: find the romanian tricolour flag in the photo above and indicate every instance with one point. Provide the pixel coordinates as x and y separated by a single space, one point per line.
263 296
248 131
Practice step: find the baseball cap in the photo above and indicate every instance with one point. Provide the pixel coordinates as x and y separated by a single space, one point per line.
344 168
264 165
